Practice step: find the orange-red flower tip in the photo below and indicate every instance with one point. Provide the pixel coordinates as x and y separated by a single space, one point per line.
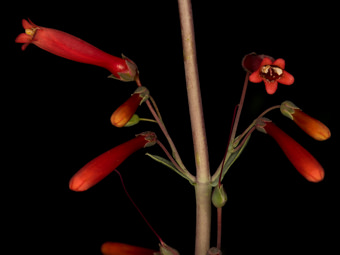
313 127
68 46
121 116
113 248
302 160
272 73
98 168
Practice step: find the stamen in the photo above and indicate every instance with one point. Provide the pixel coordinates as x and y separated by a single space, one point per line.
271 73
30 31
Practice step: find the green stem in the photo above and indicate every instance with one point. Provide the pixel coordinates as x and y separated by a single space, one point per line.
166 134
147 120
202 187
156 107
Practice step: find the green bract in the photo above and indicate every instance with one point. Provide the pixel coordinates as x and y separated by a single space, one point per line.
232 155
219 196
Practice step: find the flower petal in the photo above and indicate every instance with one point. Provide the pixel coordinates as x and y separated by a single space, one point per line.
286 79
255 77
27 24
266 61
271 86
280 63
23 38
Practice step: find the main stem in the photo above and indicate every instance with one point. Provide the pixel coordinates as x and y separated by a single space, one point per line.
202 187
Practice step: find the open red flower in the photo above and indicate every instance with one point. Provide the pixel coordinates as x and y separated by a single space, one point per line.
98 168
112 248
310 125
302 160
68 46
272 73
123 114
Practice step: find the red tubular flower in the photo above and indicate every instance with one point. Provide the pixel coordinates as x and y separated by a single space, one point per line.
311 126
98 168
111 248
123 114
271 73
302 160
68 46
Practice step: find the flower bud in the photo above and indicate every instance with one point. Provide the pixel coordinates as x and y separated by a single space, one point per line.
219 196
311 126
123 114
101 166
301 159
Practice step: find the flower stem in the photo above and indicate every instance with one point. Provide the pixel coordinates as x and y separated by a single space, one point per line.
219 228
202 187
166 134
157 116
147 120
156 108
226 152
186 173
233 131
137 208
268 110
239 110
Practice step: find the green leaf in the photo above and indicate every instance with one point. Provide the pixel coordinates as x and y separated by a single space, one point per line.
231 158
169 164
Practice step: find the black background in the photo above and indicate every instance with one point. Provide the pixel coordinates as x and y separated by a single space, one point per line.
56 118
